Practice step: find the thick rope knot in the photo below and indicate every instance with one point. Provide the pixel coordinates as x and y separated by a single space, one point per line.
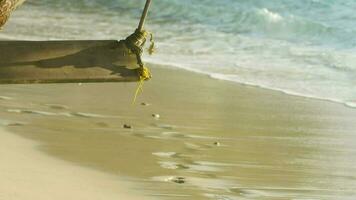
6 7
136 42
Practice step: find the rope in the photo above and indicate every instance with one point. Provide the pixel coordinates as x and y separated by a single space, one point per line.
136 42
6 7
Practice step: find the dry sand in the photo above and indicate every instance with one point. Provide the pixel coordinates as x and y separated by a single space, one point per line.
27 174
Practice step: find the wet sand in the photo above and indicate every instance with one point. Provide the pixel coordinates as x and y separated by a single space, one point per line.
212 139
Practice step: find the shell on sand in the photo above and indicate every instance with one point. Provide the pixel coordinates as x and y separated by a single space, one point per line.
6 7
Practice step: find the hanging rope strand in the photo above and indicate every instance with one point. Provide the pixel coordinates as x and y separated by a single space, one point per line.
136 42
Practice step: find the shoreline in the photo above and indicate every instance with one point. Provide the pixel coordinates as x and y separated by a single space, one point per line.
27 173
349 104
286 92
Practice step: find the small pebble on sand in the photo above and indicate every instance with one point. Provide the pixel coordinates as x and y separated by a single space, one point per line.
217 144
157 116
127 126
145 104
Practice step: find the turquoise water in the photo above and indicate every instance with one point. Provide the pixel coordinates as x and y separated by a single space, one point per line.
304 47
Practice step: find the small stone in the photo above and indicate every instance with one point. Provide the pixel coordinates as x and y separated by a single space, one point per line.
217 144
157 116
127 126
145 104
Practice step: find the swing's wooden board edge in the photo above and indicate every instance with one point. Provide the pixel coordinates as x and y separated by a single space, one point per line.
68 61
53 81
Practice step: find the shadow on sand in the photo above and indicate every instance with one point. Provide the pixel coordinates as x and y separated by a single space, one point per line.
67 61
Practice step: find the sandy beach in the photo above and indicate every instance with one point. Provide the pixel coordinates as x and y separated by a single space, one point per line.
28 174
191 137
233 131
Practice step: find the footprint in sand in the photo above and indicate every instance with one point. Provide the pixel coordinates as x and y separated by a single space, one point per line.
173 134
172 179
175 161
209 184
103 124
220 197
164 126
57 106
12 124
172 165
167 135
5 98
246 192
92 115
37 112
166 163
198 147
194 168
172 155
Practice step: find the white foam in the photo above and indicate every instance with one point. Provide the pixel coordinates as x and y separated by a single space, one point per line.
351 104
271 16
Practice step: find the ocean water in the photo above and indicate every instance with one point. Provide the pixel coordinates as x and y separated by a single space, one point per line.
304 47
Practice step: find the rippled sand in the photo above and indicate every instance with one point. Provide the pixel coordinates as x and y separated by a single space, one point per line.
193 137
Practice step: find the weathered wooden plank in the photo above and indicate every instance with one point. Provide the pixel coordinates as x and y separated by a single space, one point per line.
66 61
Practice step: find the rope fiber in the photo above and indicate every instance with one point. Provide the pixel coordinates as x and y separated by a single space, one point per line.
136 42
